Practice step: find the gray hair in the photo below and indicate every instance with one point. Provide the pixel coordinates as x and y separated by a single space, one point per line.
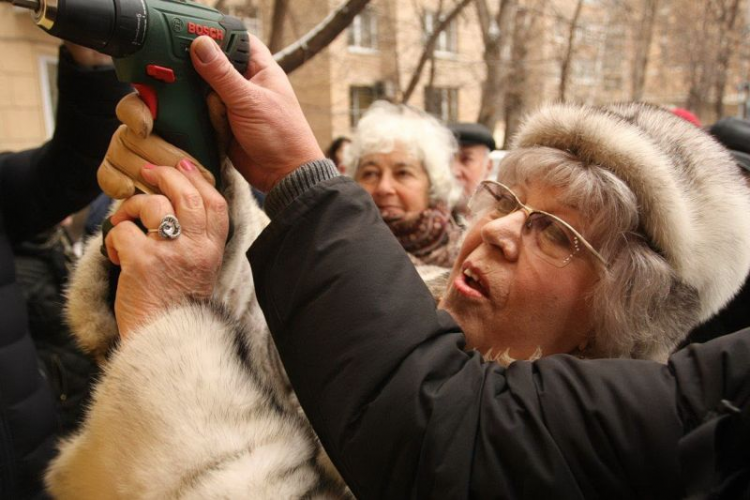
640 309
424 137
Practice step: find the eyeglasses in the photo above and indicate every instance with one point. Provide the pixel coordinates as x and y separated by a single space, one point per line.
550 237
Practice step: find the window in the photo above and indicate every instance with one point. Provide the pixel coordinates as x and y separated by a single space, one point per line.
442 102
447 39
363 32
361 97
48 71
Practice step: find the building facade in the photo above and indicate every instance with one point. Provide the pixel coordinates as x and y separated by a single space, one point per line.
377 55
28 73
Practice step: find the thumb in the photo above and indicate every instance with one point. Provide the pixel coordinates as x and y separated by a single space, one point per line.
212 64
134 113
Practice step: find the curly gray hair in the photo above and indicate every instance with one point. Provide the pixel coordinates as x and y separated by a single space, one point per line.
424 137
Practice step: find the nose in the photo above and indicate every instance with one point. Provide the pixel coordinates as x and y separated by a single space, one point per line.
505 233
385 185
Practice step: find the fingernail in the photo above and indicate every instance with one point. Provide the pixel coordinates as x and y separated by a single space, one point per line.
148 171
187 165
205 49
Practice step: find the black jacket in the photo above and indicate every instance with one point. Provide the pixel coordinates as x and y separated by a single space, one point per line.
38 188
405 412
42 268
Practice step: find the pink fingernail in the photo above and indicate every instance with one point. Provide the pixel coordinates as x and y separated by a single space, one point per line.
187 165
148 172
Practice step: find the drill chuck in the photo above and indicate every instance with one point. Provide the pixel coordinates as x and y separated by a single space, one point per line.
113 27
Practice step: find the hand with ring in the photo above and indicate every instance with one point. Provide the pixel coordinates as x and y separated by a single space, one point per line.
179 257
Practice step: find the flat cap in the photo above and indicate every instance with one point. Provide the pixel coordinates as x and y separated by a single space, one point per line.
472 133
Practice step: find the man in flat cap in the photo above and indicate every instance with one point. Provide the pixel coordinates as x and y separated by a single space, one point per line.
472 162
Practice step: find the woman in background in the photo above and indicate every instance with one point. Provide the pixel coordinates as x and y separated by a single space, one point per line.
402 156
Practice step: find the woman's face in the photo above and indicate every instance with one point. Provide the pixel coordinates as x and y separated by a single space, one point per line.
514 299
397 182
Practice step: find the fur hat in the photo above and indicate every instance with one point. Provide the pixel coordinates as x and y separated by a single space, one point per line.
694 204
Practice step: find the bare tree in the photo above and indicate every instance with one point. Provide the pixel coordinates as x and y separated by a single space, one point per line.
525 26
276 38
429 47
710 58
497 34
727 44
643 48
318 38
700 65
569 49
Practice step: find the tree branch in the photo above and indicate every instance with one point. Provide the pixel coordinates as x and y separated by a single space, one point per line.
565 68
277 25
318 38
429 47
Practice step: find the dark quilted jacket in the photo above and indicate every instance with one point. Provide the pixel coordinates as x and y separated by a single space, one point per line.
38 188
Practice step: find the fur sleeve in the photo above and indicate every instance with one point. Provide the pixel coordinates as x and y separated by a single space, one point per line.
181 413
90 314
196 404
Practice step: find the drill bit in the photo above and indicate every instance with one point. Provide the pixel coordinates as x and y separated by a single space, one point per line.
27 4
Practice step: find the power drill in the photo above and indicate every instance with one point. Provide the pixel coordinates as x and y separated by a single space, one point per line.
149 41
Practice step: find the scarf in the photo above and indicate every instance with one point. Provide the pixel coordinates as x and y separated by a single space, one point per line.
430 236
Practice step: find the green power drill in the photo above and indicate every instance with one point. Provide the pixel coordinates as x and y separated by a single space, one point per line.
149 41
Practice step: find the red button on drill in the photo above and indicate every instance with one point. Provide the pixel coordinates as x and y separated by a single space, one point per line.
166 75
148 95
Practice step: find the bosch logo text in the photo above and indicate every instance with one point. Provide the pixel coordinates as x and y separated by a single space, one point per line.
199 29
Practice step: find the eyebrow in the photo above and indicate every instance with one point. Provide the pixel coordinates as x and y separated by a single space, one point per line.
559 201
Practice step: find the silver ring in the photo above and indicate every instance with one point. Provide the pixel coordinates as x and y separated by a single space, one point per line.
169 228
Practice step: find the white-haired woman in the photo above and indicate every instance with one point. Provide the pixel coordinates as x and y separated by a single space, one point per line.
402 157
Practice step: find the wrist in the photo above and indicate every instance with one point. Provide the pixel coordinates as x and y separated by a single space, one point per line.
299 180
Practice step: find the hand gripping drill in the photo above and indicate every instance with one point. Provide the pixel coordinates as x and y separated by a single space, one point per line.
149 41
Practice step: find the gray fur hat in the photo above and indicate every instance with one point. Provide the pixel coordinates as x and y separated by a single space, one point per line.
694 203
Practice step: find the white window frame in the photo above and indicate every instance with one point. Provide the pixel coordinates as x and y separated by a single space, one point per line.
49 91
355 108
357 30
447 41
448 103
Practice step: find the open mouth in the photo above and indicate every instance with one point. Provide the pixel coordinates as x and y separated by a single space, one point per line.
471 284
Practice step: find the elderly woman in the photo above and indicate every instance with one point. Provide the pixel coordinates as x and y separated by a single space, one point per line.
400 404
594 253
402 157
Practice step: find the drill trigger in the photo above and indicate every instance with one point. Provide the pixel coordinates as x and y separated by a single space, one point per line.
148 96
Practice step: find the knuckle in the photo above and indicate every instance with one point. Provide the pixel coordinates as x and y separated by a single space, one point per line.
162 204
218 204
192 200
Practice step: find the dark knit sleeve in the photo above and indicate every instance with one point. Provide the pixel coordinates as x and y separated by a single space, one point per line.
296 183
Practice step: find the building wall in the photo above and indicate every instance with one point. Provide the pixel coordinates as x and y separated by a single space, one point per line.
600 72
23 83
